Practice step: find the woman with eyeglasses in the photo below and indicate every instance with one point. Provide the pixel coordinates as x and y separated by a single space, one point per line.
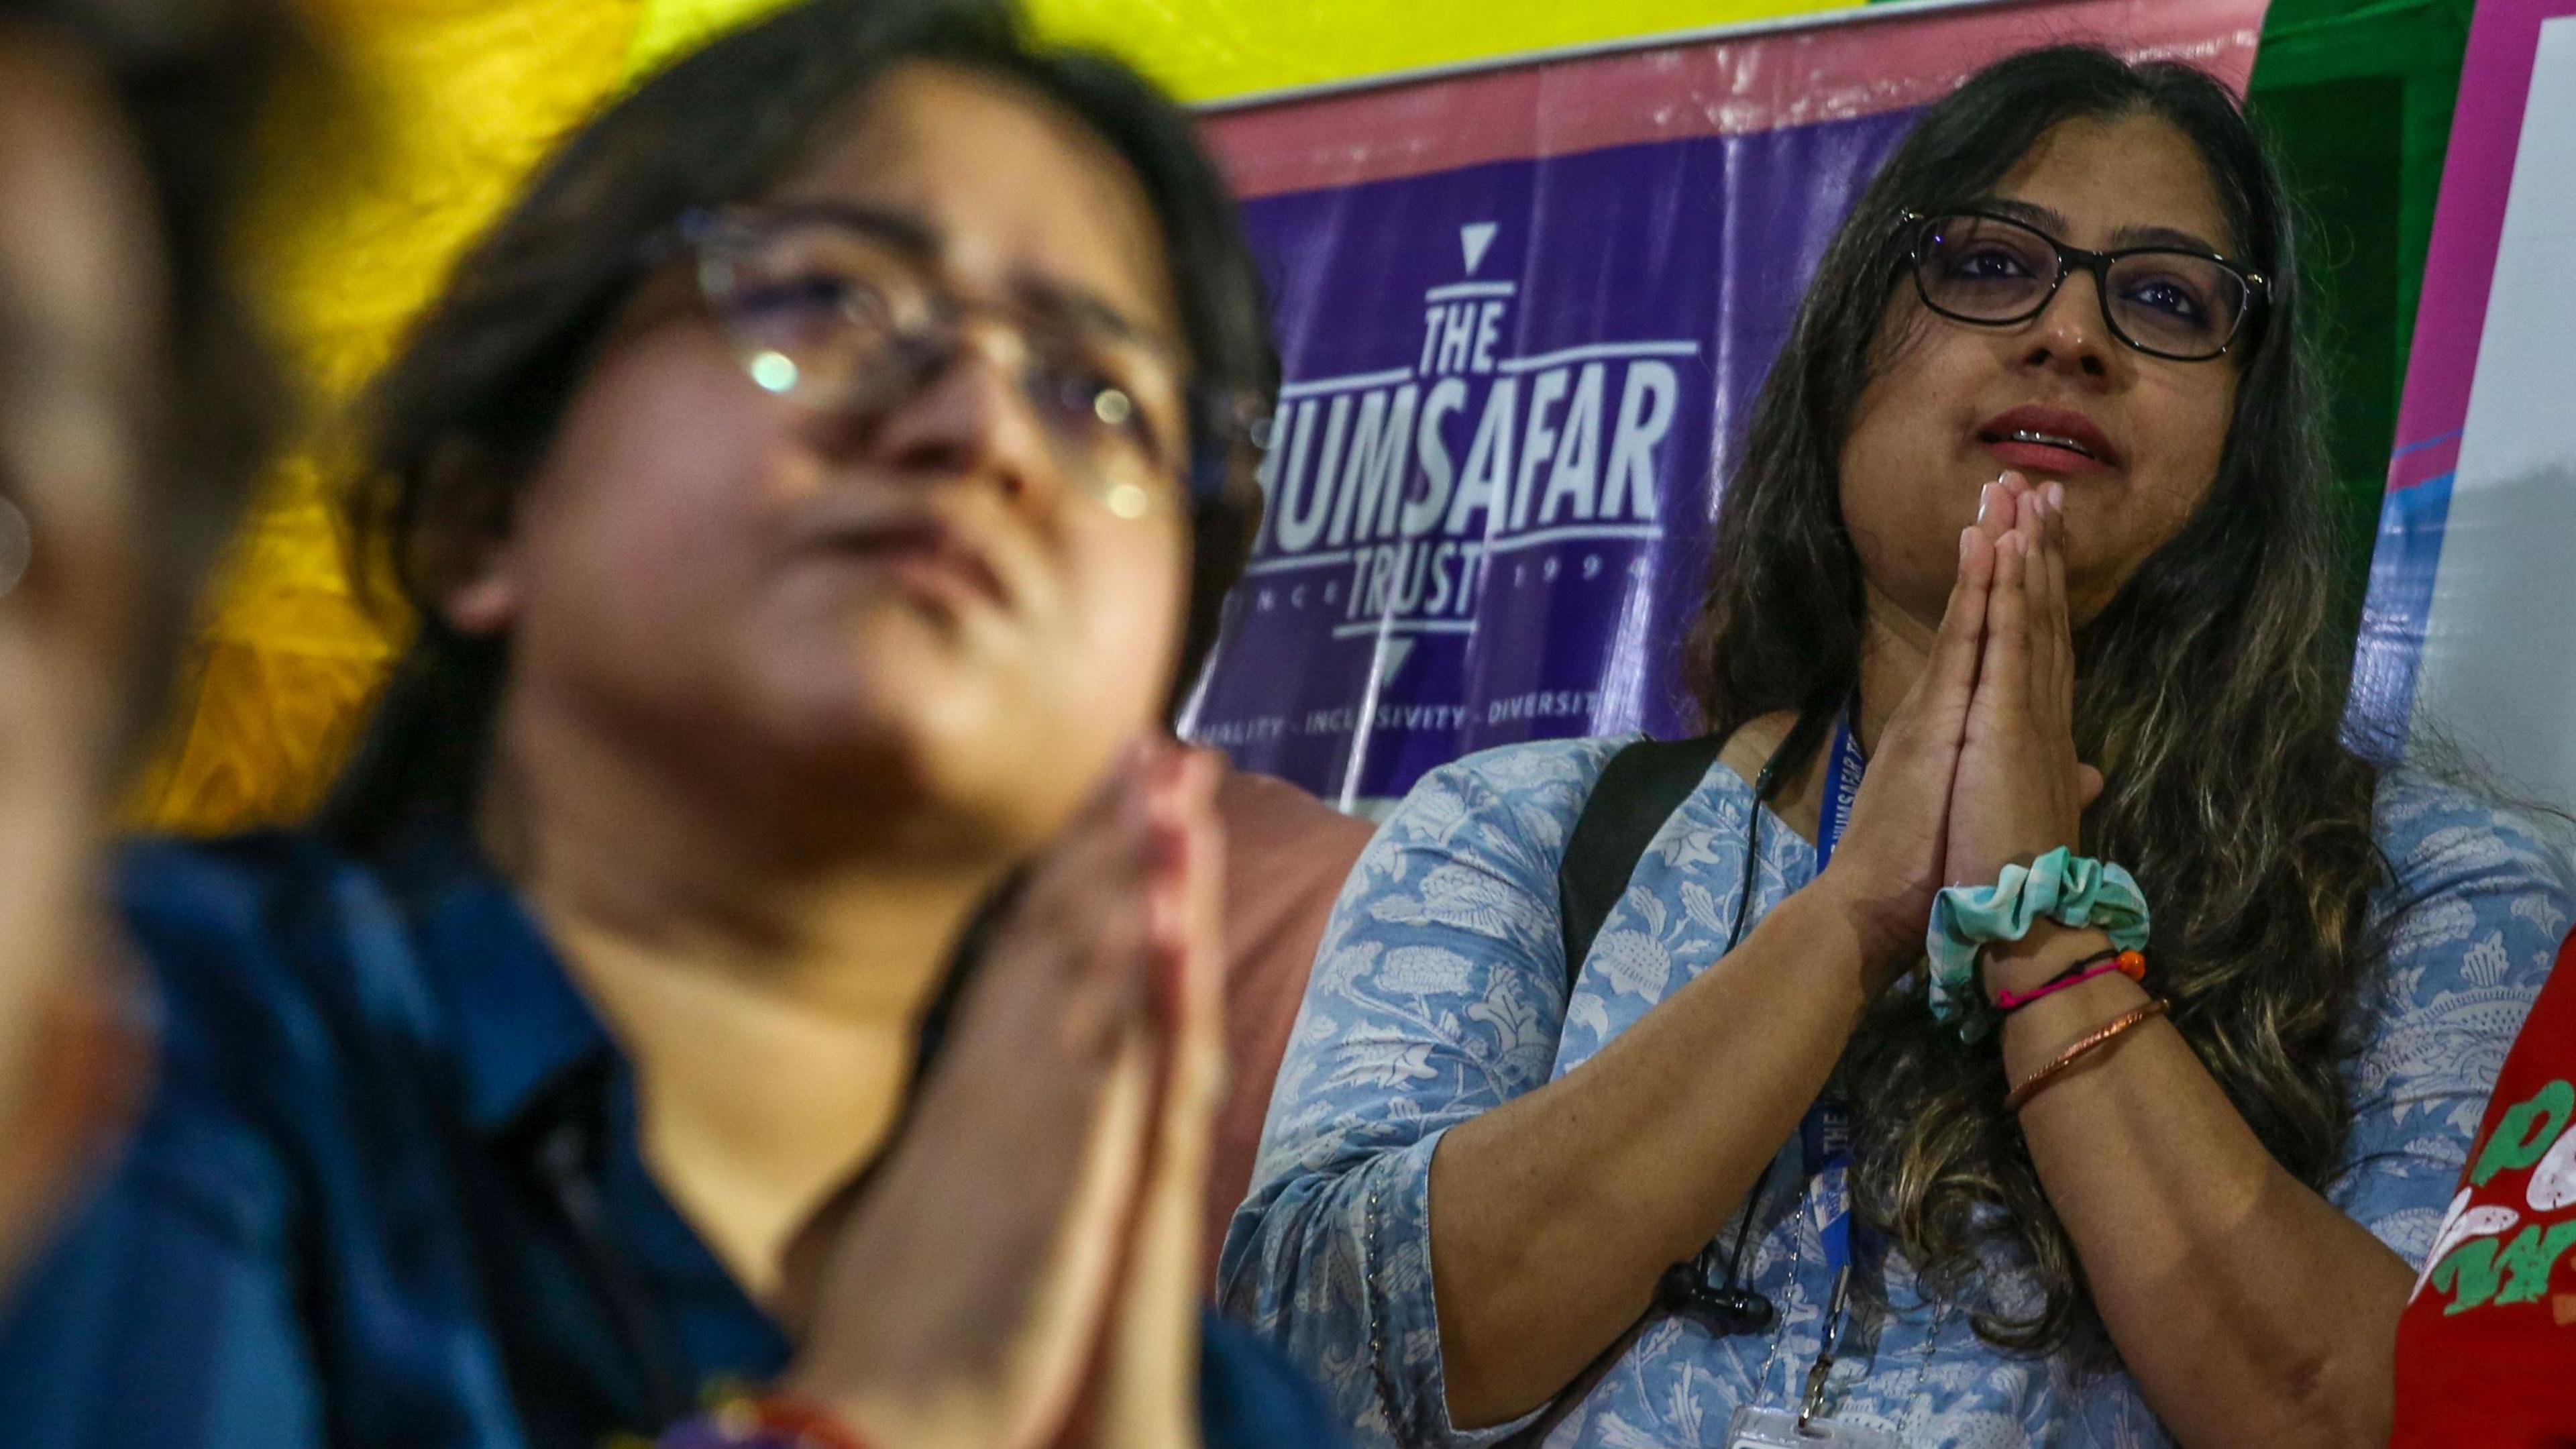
2027 1020
756 986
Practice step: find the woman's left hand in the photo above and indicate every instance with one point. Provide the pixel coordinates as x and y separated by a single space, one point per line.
2020 791
1024 1270
1142 1392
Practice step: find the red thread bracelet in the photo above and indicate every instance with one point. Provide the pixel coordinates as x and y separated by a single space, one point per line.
766 1421
2132 964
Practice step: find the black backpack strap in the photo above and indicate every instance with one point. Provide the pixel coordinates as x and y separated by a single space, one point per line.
1638 791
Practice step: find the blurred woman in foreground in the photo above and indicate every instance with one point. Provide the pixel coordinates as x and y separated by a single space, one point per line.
133 407
810 493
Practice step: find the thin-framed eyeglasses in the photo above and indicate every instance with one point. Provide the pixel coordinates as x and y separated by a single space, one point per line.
842 311
1994 271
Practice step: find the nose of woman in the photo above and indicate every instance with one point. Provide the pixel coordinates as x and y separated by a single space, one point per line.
2069 336
970 421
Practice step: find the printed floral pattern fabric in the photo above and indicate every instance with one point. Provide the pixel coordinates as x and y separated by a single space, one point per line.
1439 993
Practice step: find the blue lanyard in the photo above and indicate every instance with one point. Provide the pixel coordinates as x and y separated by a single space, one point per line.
1843 769
1824 1142
1824 1137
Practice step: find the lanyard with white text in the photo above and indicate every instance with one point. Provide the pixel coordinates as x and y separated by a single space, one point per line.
1824 1138
1843 769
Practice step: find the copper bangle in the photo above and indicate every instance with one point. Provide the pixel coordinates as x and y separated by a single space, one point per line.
2084 1046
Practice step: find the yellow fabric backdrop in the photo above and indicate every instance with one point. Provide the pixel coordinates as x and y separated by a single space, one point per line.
1210 49
461 97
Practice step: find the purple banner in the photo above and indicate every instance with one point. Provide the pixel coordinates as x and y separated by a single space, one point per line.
1514 382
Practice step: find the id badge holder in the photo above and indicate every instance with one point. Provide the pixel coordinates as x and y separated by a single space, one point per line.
1753 1428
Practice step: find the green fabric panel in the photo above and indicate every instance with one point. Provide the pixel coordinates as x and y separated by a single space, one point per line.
2357 96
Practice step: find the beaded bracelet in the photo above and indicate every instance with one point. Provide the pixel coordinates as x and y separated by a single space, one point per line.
2028 1087
2132 964
762 1422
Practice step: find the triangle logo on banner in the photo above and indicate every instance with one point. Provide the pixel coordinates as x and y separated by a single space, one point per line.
1392 653
1473 238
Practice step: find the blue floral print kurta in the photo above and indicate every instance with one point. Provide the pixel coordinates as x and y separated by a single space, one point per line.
1439 993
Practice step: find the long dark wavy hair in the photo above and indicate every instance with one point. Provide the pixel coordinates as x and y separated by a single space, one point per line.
490 370
2210 691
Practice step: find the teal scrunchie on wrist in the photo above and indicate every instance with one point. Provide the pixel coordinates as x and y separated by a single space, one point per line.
2067 888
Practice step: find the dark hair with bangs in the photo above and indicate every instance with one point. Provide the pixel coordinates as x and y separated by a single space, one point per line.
2210 692
490 370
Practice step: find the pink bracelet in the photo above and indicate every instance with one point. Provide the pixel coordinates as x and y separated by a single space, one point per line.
2121 963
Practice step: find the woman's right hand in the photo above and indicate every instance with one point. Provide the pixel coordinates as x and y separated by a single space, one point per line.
1887 866
978 1292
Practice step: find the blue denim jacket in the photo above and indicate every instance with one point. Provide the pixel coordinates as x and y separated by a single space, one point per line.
390 1192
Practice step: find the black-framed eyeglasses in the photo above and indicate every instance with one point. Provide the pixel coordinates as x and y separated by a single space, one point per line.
1993 271
839 311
